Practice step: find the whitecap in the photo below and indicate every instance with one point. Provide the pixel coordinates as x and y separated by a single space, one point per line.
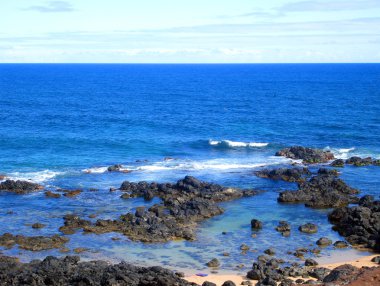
37 177
234 144
95 170
340 153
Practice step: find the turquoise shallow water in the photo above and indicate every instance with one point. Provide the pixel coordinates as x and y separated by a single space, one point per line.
217 122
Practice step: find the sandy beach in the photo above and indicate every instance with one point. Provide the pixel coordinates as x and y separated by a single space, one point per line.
219 279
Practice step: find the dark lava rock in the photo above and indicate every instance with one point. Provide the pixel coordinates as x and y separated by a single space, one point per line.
360 225
319 273
19 187
321 191
69 271
184 205
342 274
310 262
283 227
72 223
256 224
308 155
270 251
50 194
308 228
213 263
228 283
285 174
376 259
324 241
114 168
340 244
38 225
71 194
207 283
325 171
359 162
338 163
32 243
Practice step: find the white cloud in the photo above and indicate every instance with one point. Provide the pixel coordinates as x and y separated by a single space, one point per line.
51 7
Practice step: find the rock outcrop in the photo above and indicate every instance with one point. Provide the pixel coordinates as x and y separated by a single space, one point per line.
70 271
360 225
184 204
307 155
324 190
285 174
19 187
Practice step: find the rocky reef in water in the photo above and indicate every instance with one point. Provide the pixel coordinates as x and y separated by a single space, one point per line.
19 187
323 190
307 155
184 205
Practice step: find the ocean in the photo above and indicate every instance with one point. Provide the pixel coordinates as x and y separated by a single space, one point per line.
62 125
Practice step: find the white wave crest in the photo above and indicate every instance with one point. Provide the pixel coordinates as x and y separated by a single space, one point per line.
95 170
37 177
340 153
213 164
233 144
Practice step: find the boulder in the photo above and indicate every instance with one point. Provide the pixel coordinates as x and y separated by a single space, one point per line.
213 263
308 228
256 224
324 241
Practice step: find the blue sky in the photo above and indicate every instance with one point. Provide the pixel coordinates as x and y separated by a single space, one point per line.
190 31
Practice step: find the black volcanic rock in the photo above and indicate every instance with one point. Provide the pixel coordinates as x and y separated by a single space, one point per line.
184 204
360 225
69 271
321 191
285 174
19 187
308 155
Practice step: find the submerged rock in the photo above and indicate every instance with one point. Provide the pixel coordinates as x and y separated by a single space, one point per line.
184 204
33 243
70 271
308 155
324 241
360 225
284 227
213 263
308 228
321 191
19 187
285 174
50 194
70 194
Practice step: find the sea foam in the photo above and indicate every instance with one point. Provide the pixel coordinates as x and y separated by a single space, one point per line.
235 144
37 177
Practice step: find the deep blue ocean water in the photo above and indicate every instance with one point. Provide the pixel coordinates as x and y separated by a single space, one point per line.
216 122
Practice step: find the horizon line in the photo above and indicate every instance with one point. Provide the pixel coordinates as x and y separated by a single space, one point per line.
182 63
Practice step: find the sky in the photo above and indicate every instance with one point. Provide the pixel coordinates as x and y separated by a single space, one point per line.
189 31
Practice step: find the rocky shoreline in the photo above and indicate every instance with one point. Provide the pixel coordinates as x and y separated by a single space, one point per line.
188 202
